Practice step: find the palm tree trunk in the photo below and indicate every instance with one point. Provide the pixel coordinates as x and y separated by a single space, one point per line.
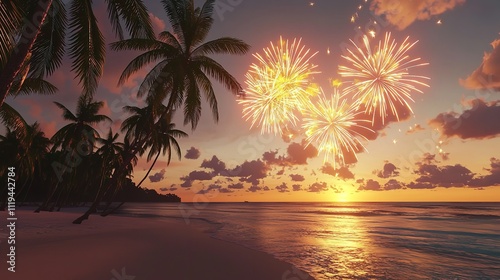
23 48
154 162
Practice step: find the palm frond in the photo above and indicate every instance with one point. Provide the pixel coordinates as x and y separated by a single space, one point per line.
136 18
10 17
192 106
216 71
86 45
34 86
49 47
67 114
224 45
12 119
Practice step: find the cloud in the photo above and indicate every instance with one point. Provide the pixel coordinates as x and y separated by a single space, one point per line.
192 153
393 184
420 185
236 186
389 170
414 129
343 172
479 122
225 190
215 164
487 75
266 188
443 176
158 24
298 153
186 184
403 13
157 177
251 171
318 187
370 185
214 187
492 179
254 189
297 177
296 187
282 188
198 175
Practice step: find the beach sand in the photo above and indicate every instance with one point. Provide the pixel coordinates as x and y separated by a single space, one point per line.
50 247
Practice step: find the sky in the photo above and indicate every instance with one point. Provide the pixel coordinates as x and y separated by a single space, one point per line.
447 150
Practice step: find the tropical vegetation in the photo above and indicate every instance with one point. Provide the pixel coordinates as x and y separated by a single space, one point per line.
78 165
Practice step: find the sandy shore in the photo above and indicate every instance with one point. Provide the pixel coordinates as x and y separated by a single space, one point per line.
48 246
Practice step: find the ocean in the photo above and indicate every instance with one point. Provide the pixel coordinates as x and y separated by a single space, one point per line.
356 240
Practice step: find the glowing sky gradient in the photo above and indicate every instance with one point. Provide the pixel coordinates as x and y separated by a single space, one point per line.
444 152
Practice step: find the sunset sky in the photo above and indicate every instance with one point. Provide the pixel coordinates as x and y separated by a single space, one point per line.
447 151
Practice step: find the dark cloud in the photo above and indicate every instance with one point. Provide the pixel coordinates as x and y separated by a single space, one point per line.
281 172
389 170
443 176
214 187
492 179
487 75
186 184
370 185
251 171
218 166
420 185
298 153
225 190
393 184
282 188
479 122
192 153
266 188
198 175
236 186
318 187
296 187
297 177
157 177
343 172
254 189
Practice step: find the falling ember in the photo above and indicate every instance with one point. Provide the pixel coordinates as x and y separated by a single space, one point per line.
278 86
330 123
328 50
372 33
439 22
380 76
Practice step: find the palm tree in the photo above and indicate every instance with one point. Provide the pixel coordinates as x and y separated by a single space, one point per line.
80 128
162 140
26 151
183 70
44 49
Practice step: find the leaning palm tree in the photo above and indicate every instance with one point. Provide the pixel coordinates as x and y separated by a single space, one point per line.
183 67
162 141
51 22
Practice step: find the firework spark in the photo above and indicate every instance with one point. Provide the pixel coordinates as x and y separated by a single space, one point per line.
278 86
381 78
333 125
